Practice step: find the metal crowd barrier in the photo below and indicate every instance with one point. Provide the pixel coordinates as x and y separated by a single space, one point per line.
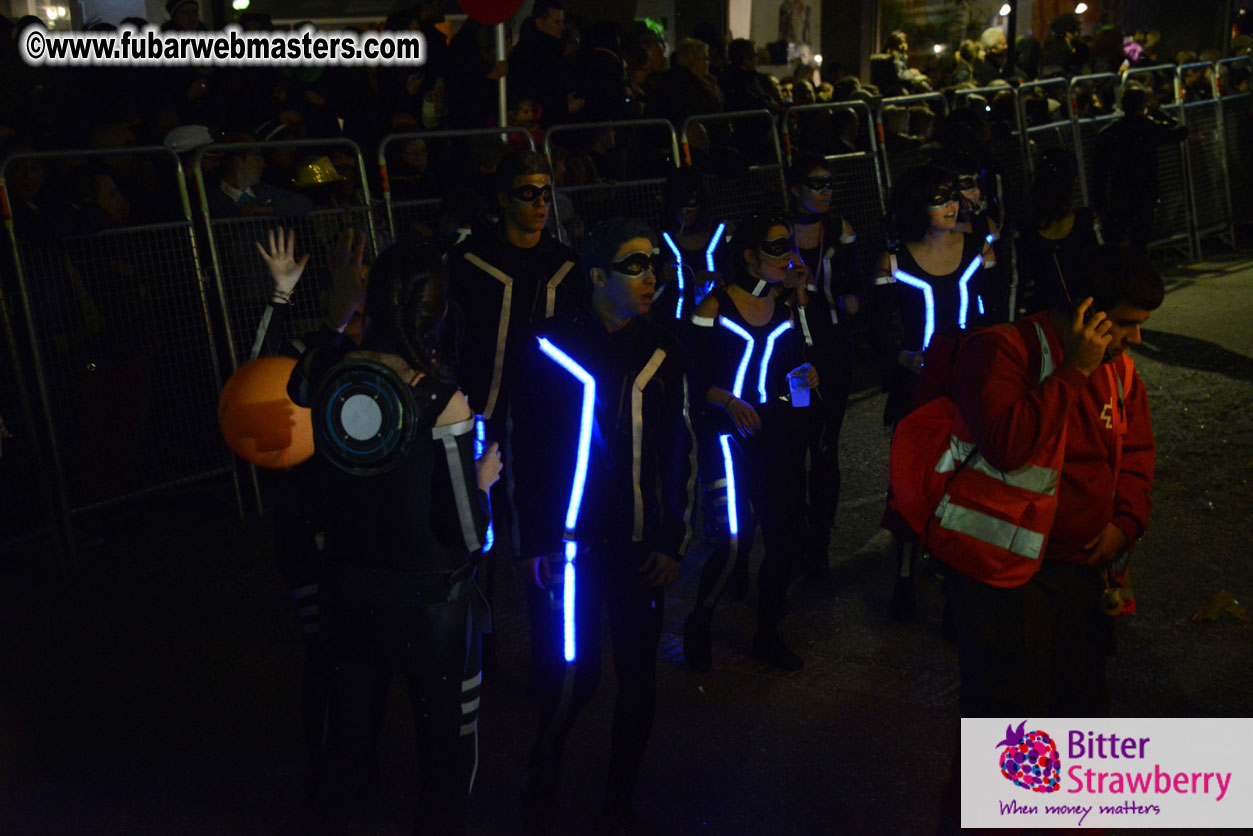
1008 169
808 128
763 185
242 280
1059 129
1237 117
1206 159
121 341
1174 215
897 159
1088 127
581 207
414 168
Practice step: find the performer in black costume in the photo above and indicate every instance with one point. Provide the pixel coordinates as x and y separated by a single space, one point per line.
506 282
927 285
694 242
833 292
745 346
630 523
298 501
399 593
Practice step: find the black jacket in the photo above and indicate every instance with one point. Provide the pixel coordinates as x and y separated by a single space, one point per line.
538 71
486 271
639 475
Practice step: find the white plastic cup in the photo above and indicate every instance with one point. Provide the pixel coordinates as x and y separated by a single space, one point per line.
798 383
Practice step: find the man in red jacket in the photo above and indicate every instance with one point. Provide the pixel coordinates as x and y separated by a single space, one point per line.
1039 648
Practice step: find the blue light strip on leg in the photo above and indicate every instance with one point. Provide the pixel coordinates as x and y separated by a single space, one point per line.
713 245
962 288
765 358
749 343
587 416
928 296
733 515
678 272
480 447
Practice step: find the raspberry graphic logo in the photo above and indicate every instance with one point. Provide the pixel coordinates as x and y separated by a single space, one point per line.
1030 759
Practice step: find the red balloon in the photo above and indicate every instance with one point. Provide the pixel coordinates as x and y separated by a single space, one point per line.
491 12
259 422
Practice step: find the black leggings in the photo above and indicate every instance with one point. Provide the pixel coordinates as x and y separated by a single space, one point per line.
605 577
436 648
767 470
823 440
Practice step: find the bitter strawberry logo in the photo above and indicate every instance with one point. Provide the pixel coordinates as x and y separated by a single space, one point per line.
1030 759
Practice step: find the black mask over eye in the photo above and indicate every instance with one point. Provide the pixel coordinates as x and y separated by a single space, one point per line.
533 195
968 183
819 184
943 196
637 264
777 248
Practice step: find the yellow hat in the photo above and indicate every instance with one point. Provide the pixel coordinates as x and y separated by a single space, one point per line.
316 173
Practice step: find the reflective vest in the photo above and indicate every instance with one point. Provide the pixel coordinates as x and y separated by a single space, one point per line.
987 523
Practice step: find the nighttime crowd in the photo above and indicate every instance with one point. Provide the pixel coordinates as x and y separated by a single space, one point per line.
583 396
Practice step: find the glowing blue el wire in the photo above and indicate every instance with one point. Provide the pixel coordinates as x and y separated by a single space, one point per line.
733 518
980 300
586 418
965 291
928 296
480 445
749 342
713 245
765 358
678 271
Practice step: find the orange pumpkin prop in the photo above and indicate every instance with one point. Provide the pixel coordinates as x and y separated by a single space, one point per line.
259 422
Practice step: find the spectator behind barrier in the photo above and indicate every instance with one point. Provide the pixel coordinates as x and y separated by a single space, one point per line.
538 68
240 192
687 88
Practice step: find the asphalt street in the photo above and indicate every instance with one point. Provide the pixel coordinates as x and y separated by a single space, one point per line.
156 691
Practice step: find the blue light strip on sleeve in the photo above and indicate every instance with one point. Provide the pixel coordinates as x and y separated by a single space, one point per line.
678 272
713 245
587 416
733 518
749 343
764 368
928 296
962 288
979 299
480 447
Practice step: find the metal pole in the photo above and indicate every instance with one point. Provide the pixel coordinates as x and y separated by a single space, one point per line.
502 104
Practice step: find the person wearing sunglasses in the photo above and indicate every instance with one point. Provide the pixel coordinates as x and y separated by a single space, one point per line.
632 517
828 247
748 365
927 285
507 281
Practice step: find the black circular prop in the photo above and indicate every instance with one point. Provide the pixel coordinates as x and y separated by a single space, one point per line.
363 417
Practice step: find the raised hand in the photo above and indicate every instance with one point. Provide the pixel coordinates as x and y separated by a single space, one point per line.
280 257
347 277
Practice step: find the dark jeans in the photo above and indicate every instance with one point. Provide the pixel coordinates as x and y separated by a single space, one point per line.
1034 650
606 579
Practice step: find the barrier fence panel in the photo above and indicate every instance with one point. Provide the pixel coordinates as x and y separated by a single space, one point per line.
120 334
420 170
901 150
1046 111
1007 152
748 175
317 218
1089 123
638 193
1235 78
859 198
829 129
1173 218
1210 195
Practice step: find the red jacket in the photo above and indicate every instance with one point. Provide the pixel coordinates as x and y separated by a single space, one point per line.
996 390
